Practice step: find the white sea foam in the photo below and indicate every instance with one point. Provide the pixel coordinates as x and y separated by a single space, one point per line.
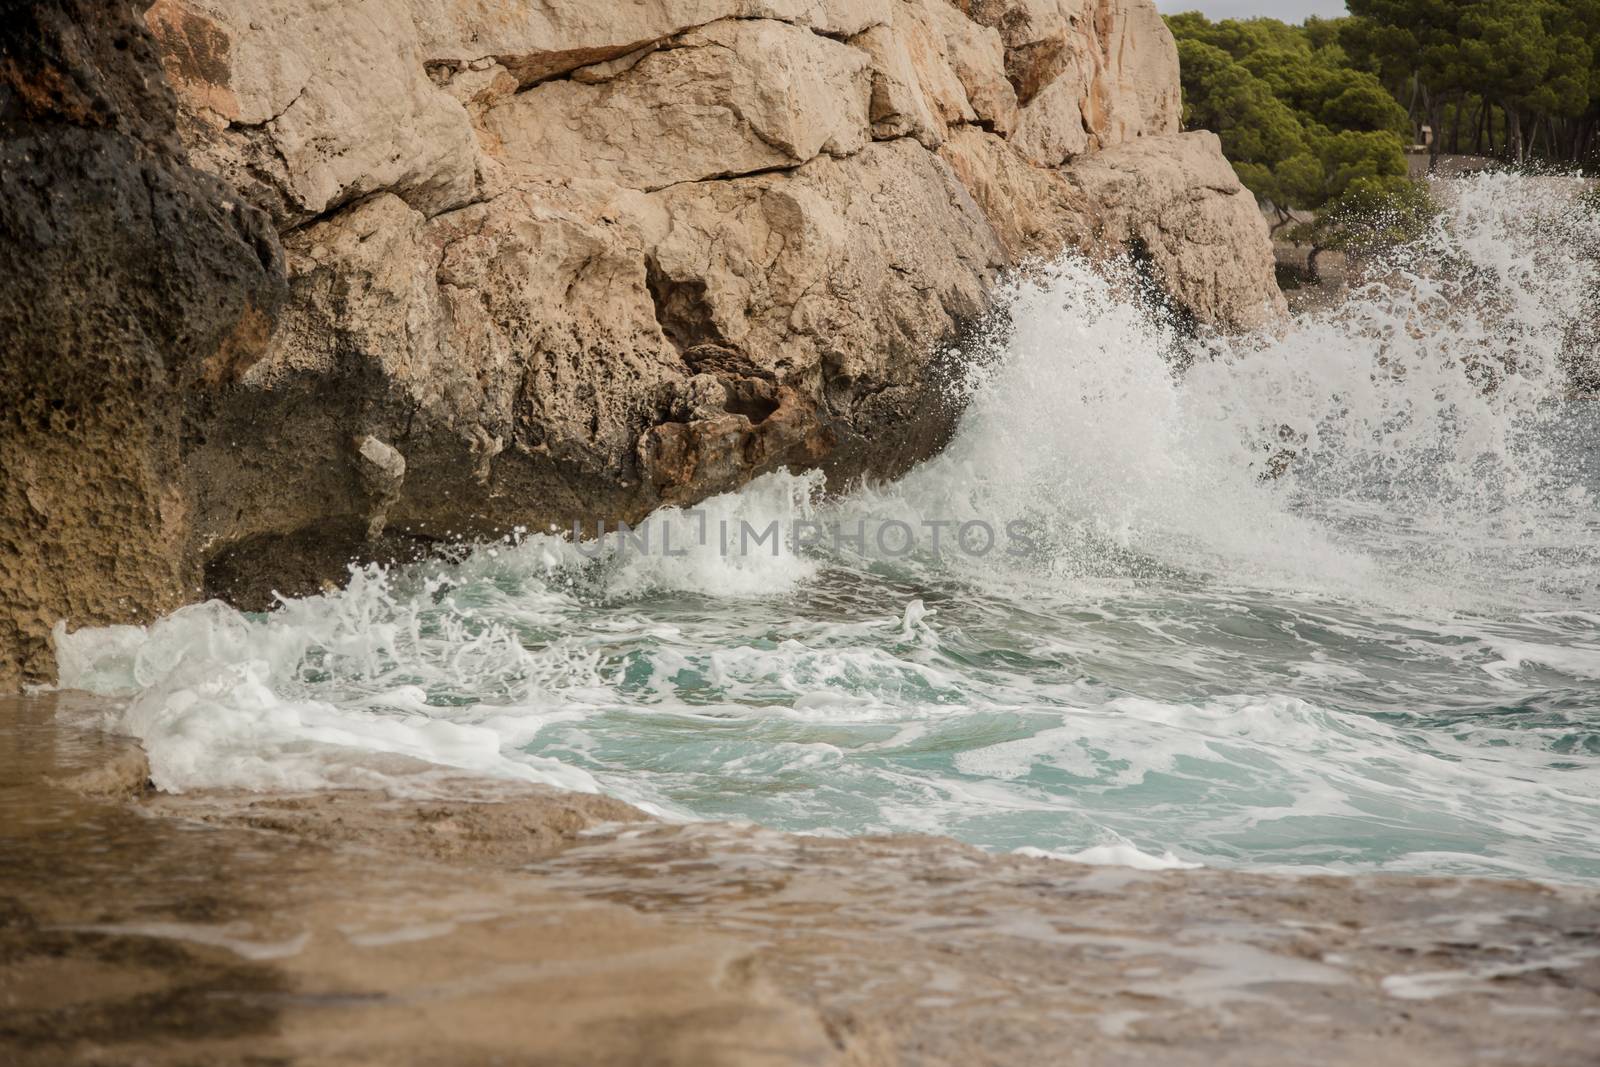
1405 447
1115 855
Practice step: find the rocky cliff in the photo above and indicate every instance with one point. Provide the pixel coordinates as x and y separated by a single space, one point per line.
545 260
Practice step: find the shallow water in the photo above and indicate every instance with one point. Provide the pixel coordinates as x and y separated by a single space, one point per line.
234 929
1328 598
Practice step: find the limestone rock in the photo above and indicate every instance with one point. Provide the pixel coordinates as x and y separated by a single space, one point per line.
383 469
1088 74
977 56
1135 91
900 106
469 340
842 279
849 267
1172 200
1183 204
1035 211
913 64
1052 128
305 105
567 260
730 98
542 39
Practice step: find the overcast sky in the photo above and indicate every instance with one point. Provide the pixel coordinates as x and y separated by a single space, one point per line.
1287 10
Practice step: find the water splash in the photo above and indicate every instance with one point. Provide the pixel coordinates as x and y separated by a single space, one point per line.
1421 439
1317 598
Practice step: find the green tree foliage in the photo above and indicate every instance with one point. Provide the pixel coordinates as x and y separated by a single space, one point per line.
1369 216
1305 128
1261 135
1316 117
1516 78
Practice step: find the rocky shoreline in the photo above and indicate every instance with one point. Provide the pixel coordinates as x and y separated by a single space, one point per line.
528 926
290 284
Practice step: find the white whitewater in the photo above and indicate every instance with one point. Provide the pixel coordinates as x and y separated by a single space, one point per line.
1327 598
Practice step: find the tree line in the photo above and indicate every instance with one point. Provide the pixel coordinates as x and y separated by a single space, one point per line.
1317 117
1518 79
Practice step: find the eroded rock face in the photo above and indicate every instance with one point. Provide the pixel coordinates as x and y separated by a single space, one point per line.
567 260
135 290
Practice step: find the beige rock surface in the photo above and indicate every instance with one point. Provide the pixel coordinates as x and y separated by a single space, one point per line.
1088 74
566 322
305 106
541 39
1181 201
1034 211
734 97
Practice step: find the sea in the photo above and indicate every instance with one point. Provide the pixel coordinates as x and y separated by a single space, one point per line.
1324 597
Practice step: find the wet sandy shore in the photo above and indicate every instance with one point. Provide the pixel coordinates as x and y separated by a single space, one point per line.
531 927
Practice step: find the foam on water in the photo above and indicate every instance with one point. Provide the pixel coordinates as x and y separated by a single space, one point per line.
1325 597
1418 433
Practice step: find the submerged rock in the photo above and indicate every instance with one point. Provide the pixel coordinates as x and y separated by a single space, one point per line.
530 927
512 233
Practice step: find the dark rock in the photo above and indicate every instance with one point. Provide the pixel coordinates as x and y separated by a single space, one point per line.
134 290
